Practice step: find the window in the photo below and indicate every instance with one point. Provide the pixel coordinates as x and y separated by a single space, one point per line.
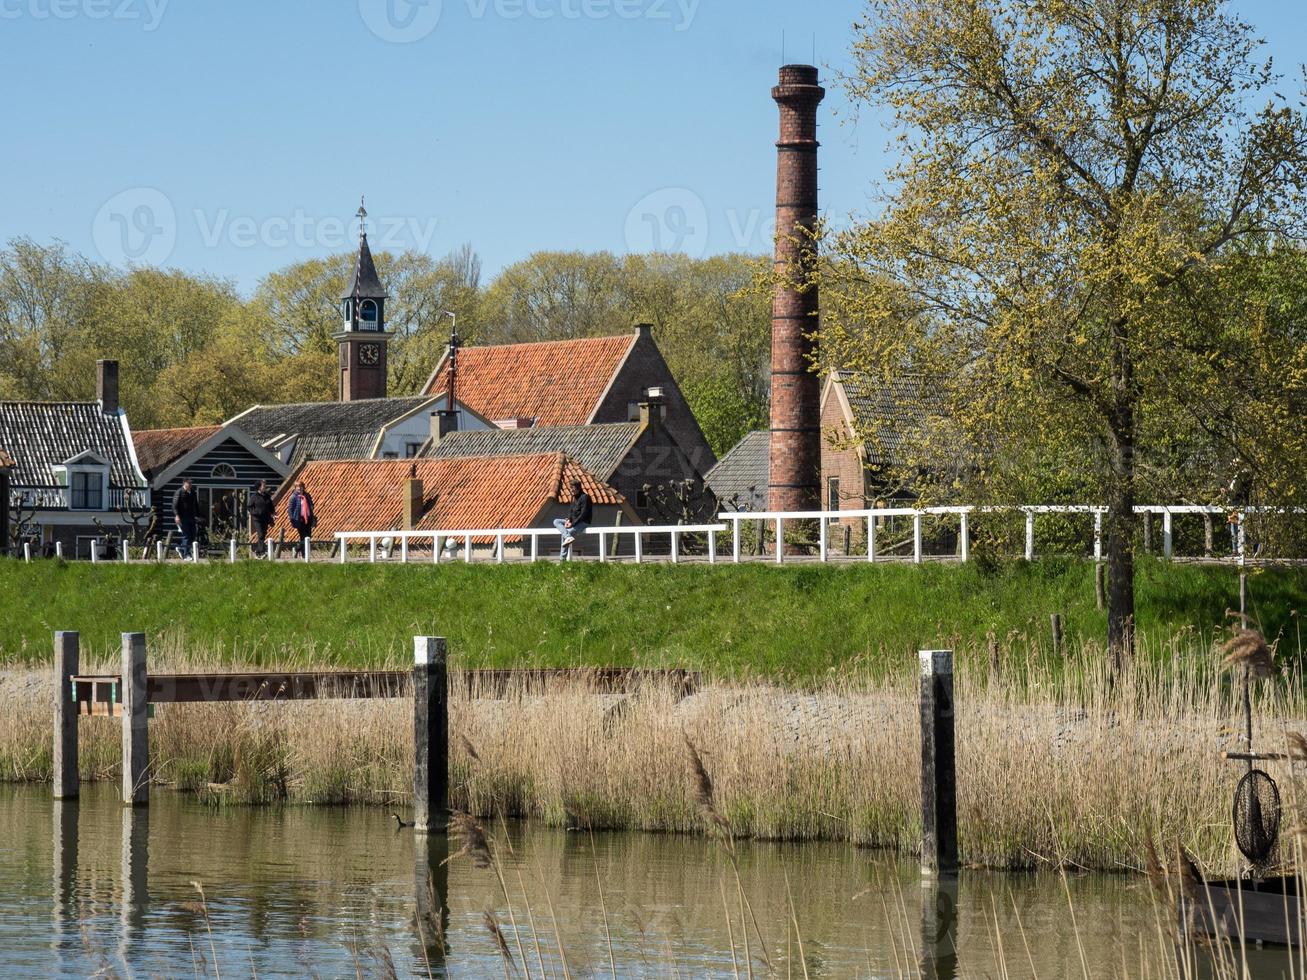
224 471
642 499
833 493
390 455
87 490
411 449
367 315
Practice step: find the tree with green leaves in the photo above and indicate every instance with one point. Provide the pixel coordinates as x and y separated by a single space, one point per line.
1069 170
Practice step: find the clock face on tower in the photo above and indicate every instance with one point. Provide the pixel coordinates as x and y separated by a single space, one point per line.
369 354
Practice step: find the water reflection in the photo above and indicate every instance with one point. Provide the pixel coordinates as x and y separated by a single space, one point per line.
939 928
90 886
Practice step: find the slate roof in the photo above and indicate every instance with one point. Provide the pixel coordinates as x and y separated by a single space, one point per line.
553 382
365 279
599 449
463 493
328 430
41 435
157 449
740 477
891 415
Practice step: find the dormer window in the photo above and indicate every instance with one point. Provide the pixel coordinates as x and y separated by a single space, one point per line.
86 477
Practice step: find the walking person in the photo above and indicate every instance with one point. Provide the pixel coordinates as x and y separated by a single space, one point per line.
577 520
300 511
185 511
261 513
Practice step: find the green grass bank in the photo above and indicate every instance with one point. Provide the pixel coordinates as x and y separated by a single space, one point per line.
793 623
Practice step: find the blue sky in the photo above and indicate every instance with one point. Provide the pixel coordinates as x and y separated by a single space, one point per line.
233 138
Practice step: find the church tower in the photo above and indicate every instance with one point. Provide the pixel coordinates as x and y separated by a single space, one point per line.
363 338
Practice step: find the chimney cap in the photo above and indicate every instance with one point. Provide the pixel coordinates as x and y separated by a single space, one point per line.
655 394
644 329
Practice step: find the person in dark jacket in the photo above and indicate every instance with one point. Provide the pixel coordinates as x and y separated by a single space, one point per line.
577 520
300 511
262 514
185 511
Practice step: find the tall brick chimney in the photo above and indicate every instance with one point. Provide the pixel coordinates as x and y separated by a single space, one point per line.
794 457
106 386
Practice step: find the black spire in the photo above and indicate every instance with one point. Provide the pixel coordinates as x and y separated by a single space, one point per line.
366 284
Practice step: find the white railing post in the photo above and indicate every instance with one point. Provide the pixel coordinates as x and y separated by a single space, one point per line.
871 537
403 549
27 551
158 550
1098 535
712 547
435 549
372 548
535 547
1030 535
195 552
822 530
344 550
1243 517
676 547
231 552
1167 541
95 550
916 538
603 548
735 540
123 550
58 549
467 549
308 549
639 547
780 540
964 532
499 547
271 550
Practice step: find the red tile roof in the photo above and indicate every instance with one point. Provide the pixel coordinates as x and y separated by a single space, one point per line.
554 382
157 449
458 494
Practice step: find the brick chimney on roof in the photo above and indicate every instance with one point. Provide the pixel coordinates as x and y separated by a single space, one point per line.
794 456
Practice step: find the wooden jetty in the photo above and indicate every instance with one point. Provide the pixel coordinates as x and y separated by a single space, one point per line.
1246 911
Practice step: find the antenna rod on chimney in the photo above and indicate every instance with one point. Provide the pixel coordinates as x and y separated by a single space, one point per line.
453 360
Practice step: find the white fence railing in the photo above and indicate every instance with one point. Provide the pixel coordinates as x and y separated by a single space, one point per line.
964 514
60 498
384 542
461 544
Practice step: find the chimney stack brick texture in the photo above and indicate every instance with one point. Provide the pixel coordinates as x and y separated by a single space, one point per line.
794 457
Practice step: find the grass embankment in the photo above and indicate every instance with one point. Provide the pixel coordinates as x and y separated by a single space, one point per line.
794 624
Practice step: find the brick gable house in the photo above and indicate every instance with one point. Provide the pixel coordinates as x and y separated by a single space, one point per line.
589 381
641 459
871 429
463 493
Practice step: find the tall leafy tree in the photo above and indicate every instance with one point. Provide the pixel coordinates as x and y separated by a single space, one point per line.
1069 168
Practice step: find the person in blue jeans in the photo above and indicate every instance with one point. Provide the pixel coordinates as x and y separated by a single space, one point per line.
577 520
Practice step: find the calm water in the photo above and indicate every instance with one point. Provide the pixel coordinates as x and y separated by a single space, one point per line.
92 887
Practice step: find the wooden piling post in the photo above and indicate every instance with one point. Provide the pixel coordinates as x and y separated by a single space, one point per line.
430 735
1055 623
67 647
939 819
135 715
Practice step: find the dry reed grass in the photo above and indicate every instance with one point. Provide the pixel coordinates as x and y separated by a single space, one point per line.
1071 768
